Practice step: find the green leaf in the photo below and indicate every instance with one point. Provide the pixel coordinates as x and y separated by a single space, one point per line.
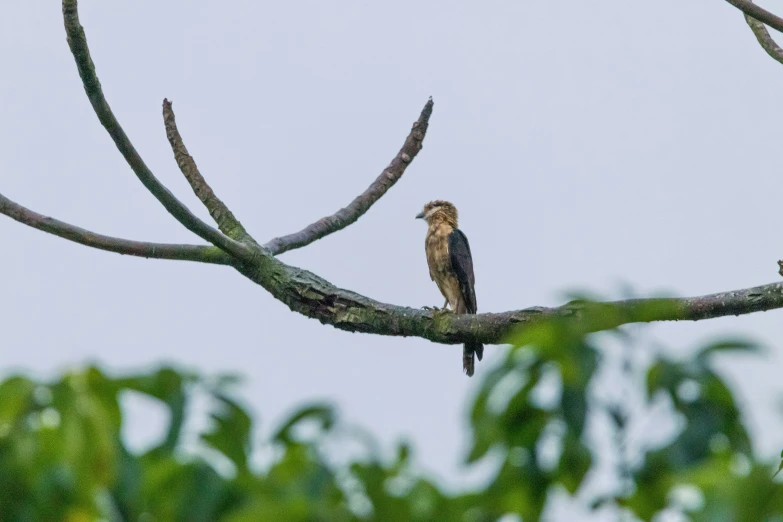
484 438
323 414
168 386
575 462
728 345
16 398
574 405
664 375
231 432
403 454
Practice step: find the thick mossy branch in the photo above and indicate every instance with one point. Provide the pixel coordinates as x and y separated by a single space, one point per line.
224 218
202 254
362 203
81 53
314 297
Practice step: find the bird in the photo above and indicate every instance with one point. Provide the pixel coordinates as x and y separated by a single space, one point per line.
451 267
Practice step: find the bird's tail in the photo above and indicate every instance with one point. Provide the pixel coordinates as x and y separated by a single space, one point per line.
469 352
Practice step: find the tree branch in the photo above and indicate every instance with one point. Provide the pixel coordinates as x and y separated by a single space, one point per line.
224 218
202 254
362 203
314 297
764 39
760 14
92 86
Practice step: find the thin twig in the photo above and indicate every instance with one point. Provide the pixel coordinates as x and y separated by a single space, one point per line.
764 39
224 218
759 13
362 203
202 254
92 86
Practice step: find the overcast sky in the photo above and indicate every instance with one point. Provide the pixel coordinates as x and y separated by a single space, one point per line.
586 145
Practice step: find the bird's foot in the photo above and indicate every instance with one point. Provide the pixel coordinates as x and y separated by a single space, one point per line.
437 311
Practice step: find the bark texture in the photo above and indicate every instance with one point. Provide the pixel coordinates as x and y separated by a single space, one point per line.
314 297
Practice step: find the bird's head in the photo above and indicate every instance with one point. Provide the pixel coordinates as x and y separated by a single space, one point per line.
439 211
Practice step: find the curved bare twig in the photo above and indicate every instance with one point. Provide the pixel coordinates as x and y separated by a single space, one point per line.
362 203
759 13
224 218
202 254
764 39
92 86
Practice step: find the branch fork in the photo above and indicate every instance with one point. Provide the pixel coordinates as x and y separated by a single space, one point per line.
306 293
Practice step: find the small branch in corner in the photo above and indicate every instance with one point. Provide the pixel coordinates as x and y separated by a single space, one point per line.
759 13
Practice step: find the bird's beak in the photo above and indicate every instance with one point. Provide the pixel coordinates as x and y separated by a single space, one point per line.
420 215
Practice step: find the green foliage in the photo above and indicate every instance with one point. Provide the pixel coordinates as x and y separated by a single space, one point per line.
62 456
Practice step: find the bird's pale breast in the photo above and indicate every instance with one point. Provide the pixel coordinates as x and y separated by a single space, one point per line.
437 249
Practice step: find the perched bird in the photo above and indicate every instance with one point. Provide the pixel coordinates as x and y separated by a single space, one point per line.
451 267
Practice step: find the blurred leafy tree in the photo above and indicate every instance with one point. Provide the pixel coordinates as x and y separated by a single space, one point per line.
62 456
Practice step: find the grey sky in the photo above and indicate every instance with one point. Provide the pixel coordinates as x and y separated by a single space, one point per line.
586 144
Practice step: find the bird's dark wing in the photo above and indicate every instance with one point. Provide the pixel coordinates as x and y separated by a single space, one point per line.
462 264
